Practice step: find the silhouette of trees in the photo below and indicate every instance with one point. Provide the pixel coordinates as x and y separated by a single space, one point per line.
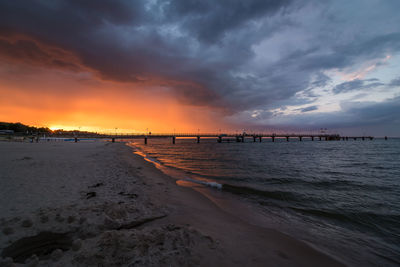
22 128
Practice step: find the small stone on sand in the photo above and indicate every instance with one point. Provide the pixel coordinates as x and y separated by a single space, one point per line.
76 245
44 219
7 262
56 254
59 218
8 231
33 261
90 195
26 223
71 219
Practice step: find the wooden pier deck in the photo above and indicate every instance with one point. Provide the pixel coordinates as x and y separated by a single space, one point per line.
230 137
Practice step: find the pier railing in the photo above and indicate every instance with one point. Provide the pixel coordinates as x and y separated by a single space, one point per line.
220 137
235 137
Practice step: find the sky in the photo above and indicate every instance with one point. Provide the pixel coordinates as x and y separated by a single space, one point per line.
186 66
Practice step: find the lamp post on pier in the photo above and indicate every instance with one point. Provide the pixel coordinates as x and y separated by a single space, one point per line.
115 133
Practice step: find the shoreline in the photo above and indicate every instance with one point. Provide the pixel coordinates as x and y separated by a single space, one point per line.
224 200
113 199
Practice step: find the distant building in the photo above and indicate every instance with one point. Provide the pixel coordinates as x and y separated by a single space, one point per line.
6 131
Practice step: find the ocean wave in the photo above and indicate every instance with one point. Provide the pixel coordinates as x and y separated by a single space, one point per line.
278 195
377 221
206 183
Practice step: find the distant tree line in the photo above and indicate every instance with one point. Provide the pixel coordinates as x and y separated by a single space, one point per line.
22 128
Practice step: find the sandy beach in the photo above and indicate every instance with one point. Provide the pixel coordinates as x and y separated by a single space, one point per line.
99 204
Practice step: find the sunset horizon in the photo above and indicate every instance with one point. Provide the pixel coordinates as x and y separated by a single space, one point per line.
134 66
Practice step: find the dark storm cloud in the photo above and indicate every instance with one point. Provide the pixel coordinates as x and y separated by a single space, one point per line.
209 20
31 52
348 86
307 109
231 54
376 113
344 55
127 40
356 85
395 82
354 115
321 81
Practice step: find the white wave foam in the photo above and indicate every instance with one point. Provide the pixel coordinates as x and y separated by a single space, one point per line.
210 184
167 170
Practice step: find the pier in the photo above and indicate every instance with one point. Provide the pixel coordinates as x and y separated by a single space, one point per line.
219 137
229 137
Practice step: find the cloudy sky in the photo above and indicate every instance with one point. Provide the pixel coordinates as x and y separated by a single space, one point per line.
189 65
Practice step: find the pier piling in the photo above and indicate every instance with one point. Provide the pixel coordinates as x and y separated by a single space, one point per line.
226 137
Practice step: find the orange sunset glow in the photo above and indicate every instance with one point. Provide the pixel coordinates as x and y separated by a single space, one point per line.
134 67
113 106
40 94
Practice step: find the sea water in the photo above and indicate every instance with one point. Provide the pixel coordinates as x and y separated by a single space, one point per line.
342 197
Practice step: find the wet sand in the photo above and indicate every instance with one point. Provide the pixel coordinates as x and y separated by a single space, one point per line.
98 204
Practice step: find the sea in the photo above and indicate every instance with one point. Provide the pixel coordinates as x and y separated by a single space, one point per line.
341 197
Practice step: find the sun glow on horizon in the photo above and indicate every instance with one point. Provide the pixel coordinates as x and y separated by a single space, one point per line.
93 129
58 100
